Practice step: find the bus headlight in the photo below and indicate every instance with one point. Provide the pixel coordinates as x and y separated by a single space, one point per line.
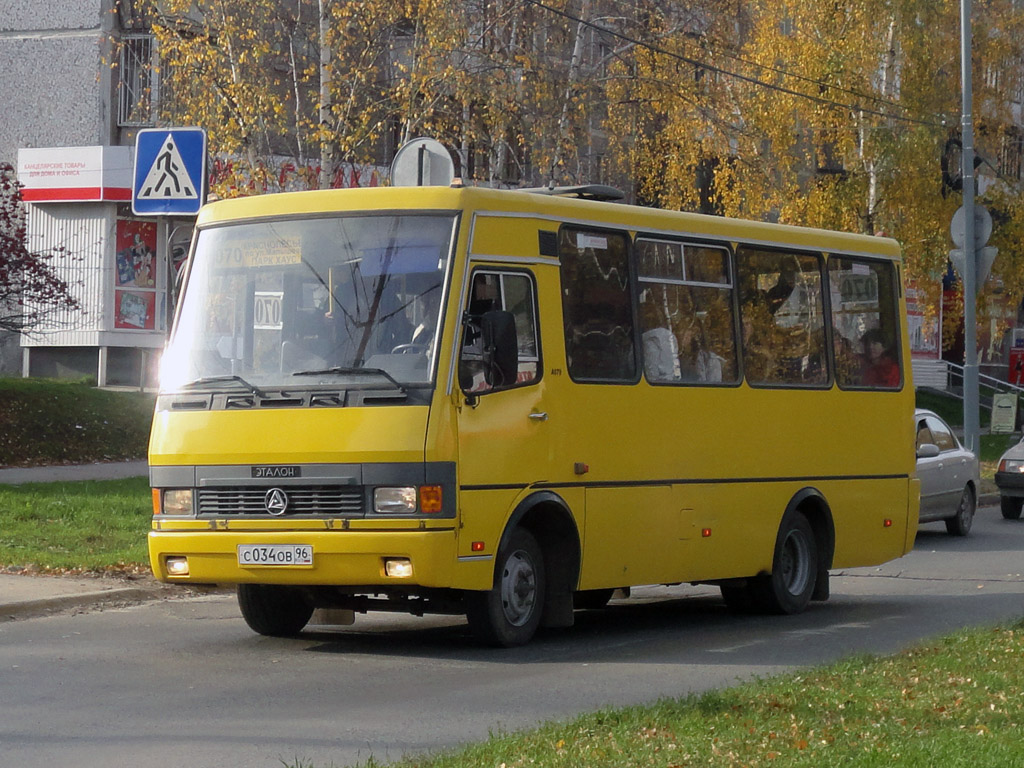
394 500
178 502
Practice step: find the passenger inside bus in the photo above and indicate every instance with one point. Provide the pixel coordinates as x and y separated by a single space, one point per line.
880 367
660 346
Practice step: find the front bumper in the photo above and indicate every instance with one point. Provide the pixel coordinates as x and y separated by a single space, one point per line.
340 557
1010 483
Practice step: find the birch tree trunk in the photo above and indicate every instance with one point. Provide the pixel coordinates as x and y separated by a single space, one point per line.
570 87
326 145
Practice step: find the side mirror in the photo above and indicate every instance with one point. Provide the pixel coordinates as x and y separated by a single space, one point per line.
927 451
501 348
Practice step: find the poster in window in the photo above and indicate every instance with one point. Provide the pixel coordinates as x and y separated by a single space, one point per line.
923 326
136 253
134 310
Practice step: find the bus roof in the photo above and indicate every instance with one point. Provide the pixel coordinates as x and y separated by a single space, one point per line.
554 208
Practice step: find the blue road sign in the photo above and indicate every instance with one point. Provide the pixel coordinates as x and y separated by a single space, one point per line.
170 172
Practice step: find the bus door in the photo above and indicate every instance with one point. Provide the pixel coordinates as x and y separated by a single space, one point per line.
505 427
635 524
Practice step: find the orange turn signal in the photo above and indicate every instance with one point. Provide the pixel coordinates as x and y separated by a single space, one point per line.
430 499
477 546
156 501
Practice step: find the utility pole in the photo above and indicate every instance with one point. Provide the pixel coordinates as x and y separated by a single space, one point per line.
969 276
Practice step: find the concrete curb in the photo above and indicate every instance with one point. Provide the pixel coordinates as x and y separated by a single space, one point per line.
45 605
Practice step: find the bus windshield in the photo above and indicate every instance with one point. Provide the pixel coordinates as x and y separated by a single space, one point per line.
292 303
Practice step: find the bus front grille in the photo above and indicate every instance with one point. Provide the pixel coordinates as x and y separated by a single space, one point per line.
322 500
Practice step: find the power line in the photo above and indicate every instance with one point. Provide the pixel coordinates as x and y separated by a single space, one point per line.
736 75
724 51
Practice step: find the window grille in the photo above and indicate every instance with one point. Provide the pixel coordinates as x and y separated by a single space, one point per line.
137 91
1011 158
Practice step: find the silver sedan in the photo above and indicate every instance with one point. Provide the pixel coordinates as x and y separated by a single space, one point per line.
1010 481
948 473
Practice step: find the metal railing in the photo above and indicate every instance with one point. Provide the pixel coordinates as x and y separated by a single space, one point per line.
994 386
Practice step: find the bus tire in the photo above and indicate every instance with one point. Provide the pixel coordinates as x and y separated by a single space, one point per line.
273 610
509 613
1010 507
788 588
960 523
591 599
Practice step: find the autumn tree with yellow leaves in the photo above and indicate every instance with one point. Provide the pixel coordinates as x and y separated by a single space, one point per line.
833 115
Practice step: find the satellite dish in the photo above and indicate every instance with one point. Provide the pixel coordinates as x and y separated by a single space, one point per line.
422 163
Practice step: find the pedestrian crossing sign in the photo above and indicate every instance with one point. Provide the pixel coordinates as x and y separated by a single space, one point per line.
170 172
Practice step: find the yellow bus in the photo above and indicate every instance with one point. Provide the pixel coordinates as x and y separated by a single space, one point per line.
507 405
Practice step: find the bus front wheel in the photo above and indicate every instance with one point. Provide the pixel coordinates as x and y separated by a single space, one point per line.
273 610
788 588
509 613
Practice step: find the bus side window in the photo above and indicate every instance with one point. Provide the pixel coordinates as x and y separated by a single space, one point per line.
782 314
686 316
512 292
597 306
865 328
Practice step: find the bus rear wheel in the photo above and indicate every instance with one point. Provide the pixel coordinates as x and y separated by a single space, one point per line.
273 610
509 613
788 588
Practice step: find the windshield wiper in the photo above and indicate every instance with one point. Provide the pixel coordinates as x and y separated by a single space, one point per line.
201 382
345 371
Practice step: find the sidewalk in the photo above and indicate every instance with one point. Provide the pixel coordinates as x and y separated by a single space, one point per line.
28 595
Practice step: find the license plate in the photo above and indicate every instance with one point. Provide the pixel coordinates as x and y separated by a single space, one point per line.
250 555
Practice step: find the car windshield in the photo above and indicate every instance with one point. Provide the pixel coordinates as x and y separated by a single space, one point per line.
292 303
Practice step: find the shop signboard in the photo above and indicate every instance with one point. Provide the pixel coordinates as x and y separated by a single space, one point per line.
75 174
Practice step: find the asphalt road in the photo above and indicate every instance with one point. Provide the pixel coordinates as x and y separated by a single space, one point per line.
184 682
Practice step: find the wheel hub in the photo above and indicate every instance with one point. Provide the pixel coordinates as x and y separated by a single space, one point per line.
796 560
518 588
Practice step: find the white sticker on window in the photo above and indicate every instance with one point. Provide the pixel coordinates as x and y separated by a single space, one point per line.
597 242
267 310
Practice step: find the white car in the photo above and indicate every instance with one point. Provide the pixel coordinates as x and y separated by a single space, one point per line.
948 473
1010 481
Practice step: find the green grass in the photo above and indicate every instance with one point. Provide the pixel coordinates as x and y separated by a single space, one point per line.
993 446
83 526
950 409
45 421
956 703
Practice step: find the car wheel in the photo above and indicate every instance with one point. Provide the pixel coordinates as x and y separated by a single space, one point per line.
273 610
1010 506
960 523
509 613
788 588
